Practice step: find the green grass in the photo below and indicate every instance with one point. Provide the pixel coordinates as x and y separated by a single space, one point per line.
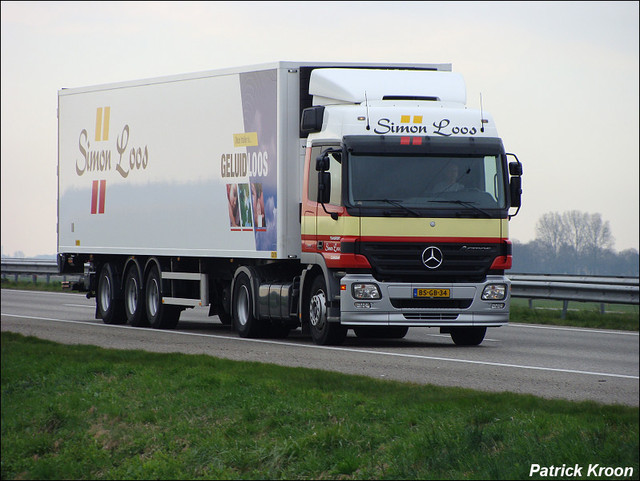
29 285
83 412
580 314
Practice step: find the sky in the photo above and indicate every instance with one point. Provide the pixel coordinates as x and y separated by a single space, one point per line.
559 78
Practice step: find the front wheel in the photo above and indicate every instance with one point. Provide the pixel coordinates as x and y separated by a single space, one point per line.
323 332
468 336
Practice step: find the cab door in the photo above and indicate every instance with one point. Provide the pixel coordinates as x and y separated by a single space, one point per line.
321 234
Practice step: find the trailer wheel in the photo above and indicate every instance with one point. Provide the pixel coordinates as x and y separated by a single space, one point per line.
110 306
323 332
243 319
134 299
160 315
468 336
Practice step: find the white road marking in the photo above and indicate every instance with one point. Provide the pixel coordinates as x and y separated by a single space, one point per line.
575 329
343 349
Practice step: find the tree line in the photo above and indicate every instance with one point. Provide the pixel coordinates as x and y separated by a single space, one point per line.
573 242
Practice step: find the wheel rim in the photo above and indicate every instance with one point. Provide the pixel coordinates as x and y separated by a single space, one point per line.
131 295
153 297
317 310
242 306
105 292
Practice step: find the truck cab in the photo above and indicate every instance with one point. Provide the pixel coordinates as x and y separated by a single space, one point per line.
405 204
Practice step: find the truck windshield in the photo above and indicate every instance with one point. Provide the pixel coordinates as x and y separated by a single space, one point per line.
473 183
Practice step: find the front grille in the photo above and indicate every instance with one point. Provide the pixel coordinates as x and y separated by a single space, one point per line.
402 261
431 303
424 316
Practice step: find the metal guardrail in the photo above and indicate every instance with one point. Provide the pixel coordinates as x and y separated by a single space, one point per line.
601 289
612 290
19 268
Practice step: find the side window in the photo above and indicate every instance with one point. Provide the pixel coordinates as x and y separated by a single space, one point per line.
335 169
491 176
313 174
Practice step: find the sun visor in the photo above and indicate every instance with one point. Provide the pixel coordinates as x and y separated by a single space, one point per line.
350 85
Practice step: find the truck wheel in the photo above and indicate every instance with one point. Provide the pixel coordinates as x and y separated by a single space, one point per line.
160 316
243 319
110 306
323 332
224 307
468 336
133 299
382 332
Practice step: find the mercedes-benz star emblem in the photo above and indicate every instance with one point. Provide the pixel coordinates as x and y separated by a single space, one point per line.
432 257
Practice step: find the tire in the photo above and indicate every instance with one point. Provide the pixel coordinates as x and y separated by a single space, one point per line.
382 332
244 320
323 332
160 316
109 303
134 307
468 336
225 317
223 312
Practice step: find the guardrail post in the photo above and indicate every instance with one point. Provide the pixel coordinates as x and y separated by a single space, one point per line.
565 306
602 308
530 303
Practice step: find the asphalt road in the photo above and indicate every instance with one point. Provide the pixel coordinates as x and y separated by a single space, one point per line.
551 362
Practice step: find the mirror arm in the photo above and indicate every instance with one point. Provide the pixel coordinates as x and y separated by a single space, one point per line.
334 215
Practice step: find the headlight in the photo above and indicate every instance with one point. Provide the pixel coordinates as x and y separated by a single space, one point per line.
365 291
494 292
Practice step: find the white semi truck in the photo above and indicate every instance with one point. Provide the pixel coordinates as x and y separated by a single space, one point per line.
326 196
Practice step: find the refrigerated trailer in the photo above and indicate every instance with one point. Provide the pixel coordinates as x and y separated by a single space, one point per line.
320 196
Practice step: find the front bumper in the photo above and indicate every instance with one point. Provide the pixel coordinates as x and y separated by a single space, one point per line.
398 307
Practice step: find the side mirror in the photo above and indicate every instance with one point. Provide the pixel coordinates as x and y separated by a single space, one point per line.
515 168
322 161
516 191
515 183
324 187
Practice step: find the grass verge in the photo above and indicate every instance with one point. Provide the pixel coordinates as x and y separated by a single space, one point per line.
580 314
83 412
53 286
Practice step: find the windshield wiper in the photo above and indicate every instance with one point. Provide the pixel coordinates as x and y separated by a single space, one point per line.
396 203
463 203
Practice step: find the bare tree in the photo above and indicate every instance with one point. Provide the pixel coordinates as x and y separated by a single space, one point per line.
574 226
598 240
597 234
575 241
549 231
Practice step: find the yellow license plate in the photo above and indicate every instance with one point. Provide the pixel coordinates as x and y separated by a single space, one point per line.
431 293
